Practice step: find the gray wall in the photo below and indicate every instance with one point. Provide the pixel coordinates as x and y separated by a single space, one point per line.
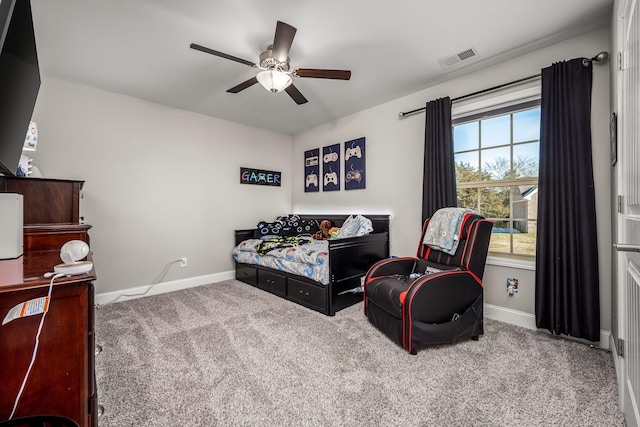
161 183
394 159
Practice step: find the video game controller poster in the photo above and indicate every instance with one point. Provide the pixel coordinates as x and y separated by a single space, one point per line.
354 164
331 168
312 171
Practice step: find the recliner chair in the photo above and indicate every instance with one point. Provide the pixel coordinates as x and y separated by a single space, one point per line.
433 298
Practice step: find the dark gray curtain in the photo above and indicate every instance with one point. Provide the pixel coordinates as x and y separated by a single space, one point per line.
439 185
567 285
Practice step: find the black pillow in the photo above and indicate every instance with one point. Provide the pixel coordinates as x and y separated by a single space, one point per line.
286 225
275 228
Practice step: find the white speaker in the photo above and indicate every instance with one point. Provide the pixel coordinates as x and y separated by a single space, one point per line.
11 222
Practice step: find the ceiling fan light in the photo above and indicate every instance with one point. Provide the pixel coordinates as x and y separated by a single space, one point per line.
274 81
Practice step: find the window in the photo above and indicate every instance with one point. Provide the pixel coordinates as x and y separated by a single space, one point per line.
497 157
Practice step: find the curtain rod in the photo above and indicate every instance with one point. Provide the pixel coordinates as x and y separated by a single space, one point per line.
598 58
480 92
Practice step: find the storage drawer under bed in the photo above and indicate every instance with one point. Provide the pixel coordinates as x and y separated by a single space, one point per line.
271 282
307 294
247 274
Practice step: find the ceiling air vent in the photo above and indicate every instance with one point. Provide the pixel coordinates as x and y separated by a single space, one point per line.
451 60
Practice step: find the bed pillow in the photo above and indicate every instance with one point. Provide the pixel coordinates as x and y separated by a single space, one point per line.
264 228
366 226
286 225
355 226
305 226
349 227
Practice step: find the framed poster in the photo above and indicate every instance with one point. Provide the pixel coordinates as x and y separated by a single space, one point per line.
311 170
331 168
354 164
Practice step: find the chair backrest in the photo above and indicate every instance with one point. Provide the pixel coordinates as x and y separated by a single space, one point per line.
472 249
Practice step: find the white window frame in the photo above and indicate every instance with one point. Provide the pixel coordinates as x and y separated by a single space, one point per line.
524 93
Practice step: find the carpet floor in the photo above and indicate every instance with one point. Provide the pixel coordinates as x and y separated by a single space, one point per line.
228 354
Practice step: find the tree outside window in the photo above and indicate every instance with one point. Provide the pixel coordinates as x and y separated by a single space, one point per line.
497 157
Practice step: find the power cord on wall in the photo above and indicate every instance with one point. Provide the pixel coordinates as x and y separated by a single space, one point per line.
53 276
154 282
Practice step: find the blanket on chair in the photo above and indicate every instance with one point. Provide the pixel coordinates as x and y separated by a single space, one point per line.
443 231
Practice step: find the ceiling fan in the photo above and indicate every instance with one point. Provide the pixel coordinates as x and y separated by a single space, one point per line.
276 74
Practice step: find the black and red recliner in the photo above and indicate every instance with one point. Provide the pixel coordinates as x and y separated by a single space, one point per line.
434 298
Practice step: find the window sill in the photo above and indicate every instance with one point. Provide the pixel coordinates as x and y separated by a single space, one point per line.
520 264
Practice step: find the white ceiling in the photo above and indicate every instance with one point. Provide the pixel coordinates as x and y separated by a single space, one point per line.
141 48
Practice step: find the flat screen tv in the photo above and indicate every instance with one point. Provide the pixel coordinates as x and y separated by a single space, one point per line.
19 80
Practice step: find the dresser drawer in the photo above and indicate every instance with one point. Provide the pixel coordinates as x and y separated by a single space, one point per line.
272 282
43 238
247 274
307 294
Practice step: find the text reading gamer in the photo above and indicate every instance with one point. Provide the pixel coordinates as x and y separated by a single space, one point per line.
258 177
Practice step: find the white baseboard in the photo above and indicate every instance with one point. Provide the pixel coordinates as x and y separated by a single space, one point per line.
162 287
619 366
528 320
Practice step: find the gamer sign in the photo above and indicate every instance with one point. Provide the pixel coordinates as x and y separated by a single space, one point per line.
260 177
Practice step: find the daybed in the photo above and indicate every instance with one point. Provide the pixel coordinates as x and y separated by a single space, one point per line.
347 261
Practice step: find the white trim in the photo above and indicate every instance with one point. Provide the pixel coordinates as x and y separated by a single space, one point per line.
528 320
492 101
511 263
618 362
162 287
507 315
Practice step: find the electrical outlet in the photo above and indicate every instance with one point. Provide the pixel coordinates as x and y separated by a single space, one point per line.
512 285
183 261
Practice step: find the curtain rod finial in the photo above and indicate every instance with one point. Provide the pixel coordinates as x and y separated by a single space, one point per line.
599 58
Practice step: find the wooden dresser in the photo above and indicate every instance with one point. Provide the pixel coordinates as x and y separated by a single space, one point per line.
62 380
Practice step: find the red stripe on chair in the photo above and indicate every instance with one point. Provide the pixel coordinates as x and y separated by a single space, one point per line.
408 331
476 278
426 255
464 220
402 297
368 277
468 243
472 238
420 251
475 234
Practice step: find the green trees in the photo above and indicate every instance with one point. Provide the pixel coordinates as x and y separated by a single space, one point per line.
493 201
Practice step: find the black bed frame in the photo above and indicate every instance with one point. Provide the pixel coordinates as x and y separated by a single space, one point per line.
349 260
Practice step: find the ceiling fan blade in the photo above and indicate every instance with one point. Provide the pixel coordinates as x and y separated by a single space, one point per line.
243 85
282 41
221 54
295 94
323 74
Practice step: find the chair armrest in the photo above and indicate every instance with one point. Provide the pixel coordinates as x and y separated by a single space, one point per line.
390 266
434 298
